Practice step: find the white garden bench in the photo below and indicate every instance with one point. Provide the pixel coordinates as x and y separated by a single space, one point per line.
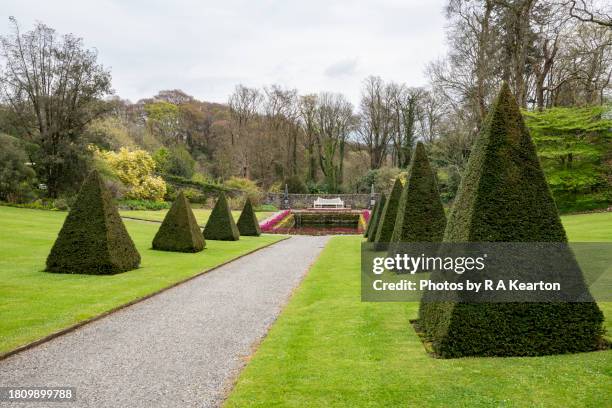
328 203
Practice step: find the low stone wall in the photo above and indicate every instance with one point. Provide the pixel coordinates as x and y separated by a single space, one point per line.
300 201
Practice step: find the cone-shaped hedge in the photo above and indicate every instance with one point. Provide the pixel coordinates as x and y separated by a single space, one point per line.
386 224
504 198
420 215
369 226
374 220
221 225
247 222
93 239
180 231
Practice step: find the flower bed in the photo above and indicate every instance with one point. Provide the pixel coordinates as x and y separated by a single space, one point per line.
269 225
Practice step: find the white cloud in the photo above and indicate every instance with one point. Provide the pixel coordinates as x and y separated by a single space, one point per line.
342 68
206 47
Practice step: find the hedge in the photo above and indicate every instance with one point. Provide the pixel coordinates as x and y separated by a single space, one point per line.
247 222
221 225
179 231
420 214
373 225
369 226
93 239
386 223
504 197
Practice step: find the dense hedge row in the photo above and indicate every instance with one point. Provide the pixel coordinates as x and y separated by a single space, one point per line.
504 198
179 231
203 187
247 222
93 239
221 225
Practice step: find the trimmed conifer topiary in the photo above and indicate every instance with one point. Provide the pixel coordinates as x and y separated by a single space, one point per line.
420 214
180 231
93 239
221 225
386 224
374 221
504 197
369 226
247 222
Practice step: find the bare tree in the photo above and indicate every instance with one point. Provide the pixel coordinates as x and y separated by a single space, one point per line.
55 86
334 122
376 122
587 12
244 104
308 110
281 111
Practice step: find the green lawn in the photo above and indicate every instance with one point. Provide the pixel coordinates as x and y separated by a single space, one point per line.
34 303
329 349
201 214
596 227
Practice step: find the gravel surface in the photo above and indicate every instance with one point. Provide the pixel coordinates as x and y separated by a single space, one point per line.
181 348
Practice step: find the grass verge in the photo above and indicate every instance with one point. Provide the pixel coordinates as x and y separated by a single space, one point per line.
35 303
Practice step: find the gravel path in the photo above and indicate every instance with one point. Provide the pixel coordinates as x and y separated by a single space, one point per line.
181 348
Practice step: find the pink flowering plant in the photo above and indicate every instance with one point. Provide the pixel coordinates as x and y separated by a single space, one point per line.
270 223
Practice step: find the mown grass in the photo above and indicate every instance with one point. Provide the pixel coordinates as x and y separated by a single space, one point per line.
330 349
201 214
35 303
595 227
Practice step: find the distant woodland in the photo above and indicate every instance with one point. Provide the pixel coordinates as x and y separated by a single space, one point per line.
59 117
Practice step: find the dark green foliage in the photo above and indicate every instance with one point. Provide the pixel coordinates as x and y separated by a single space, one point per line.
295 185
420 215
374 220
176 161
369 226
17 179
180 231
93 239
504 198
199 185
386 224
247 222
221 225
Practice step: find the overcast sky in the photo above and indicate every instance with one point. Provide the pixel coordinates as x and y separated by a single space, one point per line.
207 47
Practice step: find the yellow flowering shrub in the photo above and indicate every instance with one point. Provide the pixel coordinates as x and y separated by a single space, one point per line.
135 169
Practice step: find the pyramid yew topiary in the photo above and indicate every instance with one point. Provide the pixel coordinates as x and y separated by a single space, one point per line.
420 215
180 231
369 226
93 239
374 221
247 222
504 198
221 225
386 224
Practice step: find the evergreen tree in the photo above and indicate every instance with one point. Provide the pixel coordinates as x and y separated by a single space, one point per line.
180 231
221 225
504 198
93 239
247 222
388 215
369 226
420 214
374 221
